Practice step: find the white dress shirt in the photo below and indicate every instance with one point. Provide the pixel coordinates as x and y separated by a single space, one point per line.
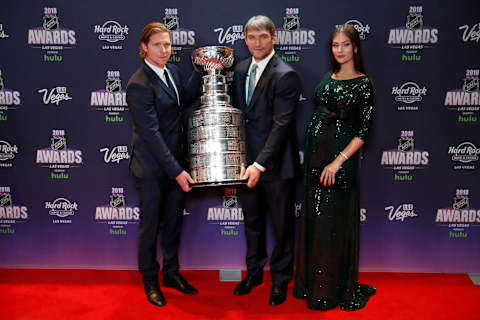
261 65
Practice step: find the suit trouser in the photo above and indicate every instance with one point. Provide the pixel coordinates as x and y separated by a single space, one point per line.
161 209
277 198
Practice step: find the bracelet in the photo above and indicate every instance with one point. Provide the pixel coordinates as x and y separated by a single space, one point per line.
343 155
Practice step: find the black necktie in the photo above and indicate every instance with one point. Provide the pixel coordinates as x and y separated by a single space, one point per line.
169 83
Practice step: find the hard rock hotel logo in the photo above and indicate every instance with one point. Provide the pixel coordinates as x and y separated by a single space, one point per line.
460 217
466 100
363 30
292 38
408 96
405 158
58 157
116 214
228 215
112 100
182 38
9 99
61 209
8 151
464 156
414 36
112 34
51 37
10 213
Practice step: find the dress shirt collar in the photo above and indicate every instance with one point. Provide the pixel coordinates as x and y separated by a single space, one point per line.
262 64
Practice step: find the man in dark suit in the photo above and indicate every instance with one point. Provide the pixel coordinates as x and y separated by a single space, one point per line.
267 90
156 97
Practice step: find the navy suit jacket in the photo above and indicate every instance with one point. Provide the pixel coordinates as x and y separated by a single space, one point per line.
158 134
270 117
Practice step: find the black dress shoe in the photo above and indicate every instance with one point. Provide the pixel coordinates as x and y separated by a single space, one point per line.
178 282
278 294
154 294
246 285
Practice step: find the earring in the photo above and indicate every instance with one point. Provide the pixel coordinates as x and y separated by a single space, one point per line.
355 50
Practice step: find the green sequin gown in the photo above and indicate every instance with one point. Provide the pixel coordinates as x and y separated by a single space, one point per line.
328 253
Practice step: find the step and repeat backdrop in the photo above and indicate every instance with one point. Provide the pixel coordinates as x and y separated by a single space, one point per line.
66 197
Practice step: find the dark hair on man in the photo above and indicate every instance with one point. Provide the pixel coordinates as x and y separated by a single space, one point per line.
354 36
149 30
260 23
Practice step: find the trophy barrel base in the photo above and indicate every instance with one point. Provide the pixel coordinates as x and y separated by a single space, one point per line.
219 183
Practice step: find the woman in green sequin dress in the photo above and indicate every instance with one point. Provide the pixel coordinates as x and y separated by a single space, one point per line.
328 254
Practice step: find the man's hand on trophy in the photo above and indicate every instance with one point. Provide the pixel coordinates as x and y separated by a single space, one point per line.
184 180
252 174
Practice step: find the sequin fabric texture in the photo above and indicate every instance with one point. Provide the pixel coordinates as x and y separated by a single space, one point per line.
327 260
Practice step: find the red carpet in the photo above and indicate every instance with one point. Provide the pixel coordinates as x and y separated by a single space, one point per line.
94 294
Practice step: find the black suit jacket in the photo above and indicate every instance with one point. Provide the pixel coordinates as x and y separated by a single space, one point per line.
270 117
158 133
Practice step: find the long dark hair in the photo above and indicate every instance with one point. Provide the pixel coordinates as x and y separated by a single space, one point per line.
352 34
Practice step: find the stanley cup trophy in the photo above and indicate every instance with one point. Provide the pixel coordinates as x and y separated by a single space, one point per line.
216 136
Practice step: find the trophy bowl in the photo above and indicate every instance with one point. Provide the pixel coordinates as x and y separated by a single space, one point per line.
212 59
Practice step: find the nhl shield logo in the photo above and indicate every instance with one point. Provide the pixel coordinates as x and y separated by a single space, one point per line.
460 203
117 200
5 200
113 85
405 144
50 23
59 143
291 23
470 84
171 22
230 202
414 21
1 84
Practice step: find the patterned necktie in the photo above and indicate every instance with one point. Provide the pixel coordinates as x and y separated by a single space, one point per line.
251 83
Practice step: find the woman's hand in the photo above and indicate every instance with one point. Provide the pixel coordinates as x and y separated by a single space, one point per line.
328 174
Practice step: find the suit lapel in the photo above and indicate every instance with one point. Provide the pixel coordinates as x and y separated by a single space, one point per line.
262 82
158 82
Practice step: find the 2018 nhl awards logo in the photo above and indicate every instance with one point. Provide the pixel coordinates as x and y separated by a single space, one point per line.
230 35
10 213
61 208
51 37
113 33
464 156
292 38
363 30
112 100
3 35
58 157
182 38
414 36
460 217
405 158
409 94
8 151
9 99
465 101
229 216
116 214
